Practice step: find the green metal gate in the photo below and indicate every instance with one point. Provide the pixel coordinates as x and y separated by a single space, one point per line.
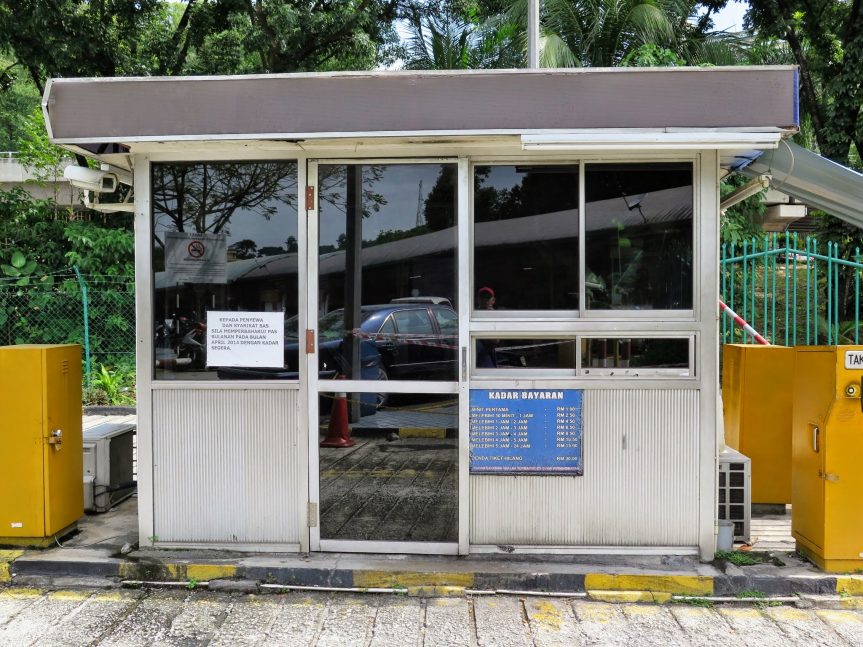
793 291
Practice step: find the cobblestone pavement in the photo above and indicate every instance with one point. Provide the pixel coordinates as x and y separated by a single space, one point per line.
179 617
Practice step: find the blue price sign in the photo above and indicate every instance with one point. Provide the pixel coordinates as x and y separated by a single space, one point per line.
517 431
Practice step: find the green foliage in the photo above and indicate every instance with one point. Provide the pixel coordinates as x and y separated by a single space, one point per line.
651 55
743 220
112 385
42 158
693 601
738 558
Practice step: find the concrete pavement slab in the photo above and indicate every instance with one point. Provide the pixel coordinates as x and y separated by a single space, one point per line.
348 622
603 623
149 622
13 601
89 622
552 623
37 619
201 617
500 622
703 627
847 624
804 626
248 621
398 622
753 627
298 620
447 623
655 625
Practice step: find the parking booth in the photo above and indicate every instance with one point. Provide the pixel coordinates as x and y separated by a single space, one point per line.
497 288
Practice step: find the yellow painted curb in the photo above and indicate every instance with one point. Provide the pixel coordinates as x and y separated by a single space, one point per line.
69 595
851 603
628 596
206 572
849 585
21 593
674 584
411 579
6 558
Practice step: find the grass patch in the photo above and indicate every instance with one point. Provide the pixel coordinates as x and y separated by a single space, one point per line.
693 602
739 558
762 600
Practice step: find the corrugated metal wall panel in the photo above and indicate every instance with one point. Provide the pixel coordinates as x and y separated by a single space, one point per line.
640 483
228 466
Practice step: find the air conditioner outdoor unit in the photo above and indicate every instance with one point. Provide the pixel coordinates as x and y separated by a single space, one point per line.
108 465
735 492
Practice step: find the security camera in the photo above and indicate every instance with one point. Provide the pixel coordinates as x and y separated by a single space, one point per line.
89 179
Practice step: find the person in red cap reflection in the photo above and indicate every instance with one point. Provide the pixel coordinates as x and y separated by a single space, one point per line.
486 356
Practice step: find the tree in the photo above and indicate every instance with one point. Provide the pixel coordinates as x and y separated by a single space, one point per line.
116 37
825 38
602 33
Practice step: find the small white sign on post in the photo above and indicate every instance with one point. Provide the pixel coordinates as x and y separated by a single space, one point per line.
854 359
245 339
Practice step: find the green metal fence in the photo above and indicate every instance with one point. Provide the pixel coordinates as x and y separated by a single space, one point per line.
95 311
794 291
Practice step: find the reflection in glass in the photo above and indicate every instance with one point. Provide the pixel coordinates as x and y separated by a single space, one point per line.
643 353
391 486
639 236
387 264
526 236
224 238
526 353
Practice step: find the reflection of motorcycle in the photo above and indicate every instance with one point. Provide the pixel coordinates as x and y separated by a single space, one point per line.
181 342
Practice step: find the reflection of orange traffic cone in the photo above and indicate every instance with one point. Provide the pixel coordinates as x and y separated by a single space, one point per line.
338 431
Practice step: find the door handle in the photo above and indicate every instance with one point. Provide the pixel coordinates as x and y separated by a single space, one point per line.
816 435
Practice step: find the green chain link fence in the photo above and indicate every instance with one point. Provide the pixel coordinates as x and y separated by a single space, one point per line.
95 311
792 290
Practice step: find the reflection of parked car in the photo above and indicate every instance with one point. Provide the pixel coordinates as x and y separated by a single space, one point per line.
416 340
398 341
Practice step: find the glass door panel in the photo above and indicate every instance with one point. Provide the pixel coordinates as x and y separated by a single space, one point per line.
387 325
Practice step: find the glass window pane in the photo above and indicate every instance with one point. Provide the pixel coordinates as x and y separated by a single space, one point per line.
387 252
639 236
385 484
526 353
635 354
447 321
224 239
526 237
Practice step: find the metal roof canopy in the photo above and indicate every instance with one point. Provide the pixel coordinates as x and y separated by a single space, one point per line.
99 113
814 180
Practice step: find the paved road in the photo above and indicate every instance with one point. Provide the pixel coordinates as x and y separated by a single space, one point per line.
182 618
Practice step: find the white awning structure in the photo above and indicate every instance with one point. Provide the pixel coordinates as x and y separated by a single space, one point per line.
812 179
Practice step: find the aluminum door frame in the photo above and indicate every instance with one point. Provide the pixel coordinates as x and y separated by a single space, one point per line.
459 387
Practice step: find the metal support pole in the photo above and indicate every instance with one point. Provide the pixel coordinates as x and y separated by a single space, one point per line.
86 324
533 34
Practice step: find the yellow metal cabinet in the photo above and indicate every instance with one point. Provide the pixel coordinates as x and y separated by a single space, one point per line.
41 456
756 398
827 446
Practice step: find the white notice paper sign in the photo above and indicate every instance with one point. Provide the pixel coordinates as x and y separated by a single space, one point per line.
245 339
195 258
854 359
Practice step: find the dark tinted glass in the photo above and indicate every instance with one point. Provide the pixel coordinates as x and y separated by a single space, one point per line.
387 262
645 353
526 236
525 353
237 224
639 236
